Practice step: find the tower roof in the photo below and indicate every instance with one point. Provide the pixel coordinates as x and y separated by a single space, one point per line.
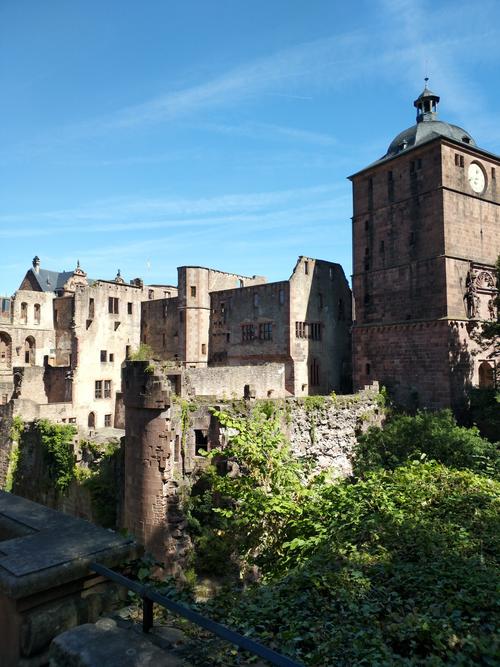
427 127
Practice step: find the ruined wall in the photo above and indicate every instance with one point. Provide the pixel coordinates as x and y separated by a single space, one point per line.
160 327
320 328
326 430
265 381
165 433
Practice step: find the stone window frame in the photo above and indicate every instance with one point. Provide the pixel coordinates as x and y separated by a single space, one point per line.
266 331
108 388
23 316
107 420
113 305
247 333
37 313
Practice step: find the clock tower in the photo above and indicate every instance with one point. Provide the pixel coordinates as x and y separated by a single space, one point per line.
426 236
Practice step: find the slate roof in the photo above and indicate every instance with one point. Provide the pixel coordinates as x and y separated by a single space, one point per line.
50 281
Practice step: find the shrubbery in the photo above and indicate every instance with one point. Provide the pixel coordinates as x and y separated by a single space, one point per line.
395 567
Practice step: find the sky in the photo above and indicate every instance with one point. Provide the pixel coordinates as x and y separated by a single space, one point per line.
143 136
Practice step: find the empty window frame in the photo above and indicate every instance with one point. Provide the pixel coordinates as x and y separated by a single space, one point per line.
266 331
104 356
113 305
193 290
310 330
36 313
98 389
24 313
247 332
130 307
107 388
107 421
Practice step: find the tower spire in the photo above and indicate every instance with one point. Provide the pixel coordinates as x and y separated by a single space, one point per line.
426 104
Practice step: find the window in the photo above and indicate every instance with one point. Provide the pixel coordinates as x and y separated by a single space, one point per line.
311 330
228 337
113 305
493 174
281 297
151 294
367 227
107 421
104 356
36 313
127 351
181 316
368 369
193 290
247 332
382 246
98 388
129 307
390 186
200 441
366 299
24 313
91 309
56 314
255 300
340 310
370 193
163 339
306 268
459 160
107 388
111 357
320 300
266 331
165 311
314 373
203 348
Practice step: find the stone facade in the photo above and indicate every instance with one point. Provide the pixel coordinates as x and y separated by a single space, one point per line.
63 338
424 245
303 323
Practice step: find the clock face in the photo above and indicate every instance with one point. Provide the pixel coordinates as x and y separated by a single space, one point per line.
476 177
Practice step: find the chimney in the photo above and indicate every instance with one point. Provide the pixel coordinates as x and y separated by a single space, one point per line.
36 264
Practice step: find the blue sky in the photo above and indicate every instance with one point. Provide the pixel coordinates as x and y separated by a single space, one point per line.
148 135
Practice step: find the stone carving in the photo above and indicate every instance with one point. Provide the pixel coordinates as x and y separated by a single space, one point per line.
471 297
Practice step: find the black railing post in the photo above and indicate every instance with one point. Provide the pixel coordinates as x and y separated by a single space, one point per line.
147 614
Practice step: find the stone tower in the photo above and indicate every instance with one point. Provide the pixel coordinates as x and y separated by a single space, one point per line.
426 235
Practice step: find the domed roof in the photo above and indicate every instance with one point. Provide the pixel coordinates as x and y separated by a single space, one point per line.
425 131
427 127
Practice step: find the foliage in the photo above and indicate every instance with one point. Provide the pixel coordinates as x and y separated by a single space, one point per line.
260 478
312 403
143 353
100 480
396 567
399 568
427 435
16 432
485 412
57 444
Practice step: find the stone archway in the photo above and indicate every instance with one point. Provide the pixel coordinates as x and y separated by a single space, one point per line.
91 420
5 350
29 351
486 375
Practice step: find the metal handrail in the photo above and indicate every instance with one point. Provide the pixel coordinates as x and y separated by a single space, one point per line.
149 596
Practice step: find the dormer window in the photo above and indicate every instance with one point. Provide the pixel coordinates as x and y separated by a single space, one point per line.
466 140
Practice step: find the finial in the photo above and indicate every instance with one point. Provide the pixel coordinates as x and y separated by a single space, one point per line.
426 79
119 273
77 263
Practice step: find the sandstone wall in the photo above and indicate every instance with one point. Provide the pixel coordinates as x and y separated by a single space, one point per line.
264 381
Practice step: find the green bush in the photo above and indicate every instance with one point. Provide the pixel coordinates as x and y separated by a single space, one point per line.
427 435
57 443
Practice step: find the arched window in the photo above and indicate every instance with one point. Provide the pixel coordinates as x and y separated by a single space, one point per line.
486 375
36 313
91 420
5 350
29 351
24 313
